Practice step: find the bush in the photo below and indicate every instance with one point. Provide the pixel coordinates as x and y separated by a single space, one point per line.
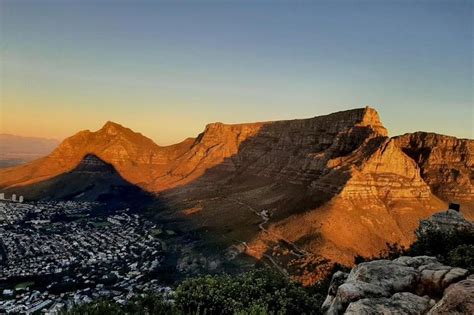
102 307
147 305
391 252
453 248
256 292
462 256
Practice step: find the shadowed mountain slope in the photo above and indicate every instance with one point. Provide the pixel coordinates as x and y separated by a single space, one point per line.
91 180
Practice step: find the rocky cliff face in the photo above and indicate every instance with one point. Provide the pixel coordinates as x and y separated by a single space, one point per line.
293 192
446 163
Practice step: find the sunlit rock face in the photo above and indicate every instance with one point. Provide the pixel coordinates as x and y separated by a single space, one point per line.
446 163
334 186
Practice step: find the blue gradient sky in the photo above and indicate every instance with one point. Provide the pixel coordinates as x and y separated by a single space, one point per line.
168 68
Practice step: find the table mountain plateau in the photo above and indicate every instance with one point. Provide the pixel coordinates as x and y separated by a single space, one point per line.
294 193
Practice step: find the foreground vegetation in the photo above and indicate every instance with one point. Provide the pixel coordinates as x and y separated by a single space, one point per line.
261 291
453 248
264 291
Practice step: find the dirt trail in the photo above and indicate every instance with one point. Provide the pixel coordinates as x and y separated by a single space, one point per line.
265 218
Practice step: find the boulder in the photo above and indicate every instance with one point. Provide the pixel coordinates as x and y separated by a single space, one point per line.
399 303
387 274
458 298
406 285
337 279
354 291
434 278
417 261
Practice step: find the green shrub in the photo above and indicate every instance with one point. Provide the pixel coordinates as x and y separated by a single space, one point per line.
102 307
256 292
462 256
452 248
147 305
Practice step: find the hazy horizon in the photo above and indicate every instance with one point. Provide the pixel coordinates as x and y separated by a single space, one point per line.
167 69
157 139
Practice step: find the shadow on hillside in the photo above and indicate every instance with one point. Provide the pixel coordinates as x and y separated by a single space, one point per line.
92 180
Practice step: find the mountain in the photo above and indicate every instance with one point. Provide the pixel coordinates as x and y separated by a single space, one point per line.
16 150
134 156
295 193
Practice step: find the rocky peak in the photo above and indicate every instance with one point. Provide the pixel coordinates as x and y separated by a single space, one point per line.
336 123
370 117
111 128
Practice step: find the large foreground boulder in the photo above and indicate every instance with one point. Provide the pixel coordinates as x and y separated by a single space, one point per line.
458 298
406 285
399 303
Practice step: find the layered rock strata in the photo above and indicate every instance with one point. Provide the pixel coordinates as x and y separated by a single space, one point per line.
446 163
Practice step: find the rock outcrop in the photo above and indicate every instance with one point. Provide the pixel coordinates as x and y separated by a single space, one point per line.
446 222
406 285
458 298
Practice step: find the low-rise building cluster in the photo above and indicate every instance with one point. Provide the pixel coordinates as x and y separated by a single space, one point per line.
54 255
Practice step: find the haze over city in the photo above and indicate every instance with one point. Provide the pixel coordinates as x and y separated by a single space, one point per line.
167 69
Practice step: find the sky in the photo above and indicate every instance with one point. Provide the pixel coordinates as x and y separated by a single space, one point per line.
167 68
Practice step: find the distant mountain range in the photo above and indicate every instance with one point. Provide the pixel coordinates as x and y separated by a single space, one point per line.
16 150
295 193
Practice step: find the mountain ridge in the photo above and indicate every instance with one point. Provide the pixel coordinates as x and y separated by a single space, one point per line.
312 177
113 134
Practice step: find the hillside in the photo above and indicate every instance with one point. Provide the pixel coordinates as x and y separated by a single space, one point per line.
91 180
